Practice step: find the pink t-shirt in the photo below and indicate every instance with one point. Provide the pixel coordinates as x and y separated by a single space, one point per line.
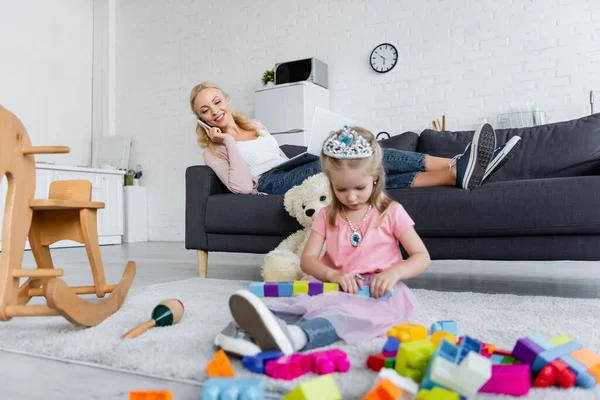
379 248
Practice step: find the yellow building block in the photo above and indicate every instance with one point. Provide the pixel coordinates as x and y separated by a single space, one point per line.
437 394
299 287
558 340
437 337
331 287
413 358
321 388
408 332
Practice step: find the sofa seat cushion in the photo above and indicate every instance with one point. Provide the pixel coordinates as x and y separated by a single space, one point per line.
554 206
569 148
243 214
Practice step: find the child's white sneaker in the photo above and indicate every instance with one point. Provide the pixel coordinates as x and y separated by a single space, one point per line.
253 316
236 341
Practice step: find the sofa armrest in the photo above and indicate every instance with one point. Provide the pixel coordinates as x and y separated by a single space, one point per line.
200 183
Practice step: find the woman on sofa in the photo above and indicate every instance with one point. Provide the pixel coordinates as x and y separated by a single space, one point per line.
244 155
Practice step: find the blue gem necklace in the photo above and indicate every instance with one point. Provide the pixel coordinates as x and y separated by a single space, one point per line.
355 237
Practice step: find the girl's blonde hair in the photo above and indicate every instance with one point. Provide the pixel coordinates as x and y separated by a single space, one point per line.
371 166
239 118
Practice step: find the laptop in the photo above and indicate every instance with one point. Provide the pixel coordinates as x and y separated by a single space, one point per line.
324 121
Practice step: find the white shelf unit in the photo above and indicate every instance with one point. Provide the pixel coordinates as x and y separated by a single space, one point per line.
287 110
107 186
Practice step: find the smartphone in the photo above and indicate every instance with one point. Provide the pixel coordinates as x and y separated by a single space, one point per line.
204 124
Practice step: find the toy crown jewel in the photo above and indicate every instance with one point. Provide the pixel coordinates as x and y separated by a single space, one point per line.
346 143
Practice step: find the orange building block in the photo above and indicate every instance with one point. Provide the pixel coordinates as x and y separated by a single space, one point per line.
590 360
151 395
220 366
385 390
408 332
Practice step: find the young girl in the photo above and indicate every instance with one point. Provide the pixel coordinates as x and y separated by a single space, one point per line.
361 230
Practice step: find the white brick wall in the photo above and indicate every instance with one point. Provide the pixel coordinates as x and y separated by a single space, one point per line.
465 58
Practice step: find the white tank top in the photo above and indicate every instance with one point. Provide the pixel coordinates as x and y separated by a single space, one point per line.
260 154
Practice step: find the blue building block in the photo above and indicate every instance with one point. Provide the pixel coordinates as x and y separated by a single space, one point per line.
449 326
233 389
286 289
366 292
468 344
547 356
391 345
445 350
257 363
258 288
540 341
496 359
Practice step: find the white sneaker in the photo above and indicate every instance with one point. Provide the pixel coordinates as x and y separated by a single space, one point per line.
253 316
234 340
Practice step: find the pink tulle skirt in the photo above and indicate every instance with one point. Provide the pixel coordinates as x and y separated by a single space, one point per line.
355 318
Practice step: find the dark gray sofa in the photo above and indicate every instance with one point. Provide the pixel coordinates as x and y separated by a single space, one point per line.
543 205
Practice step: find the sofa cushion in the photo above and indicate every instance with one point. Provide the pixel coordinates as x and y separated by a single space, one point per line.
554 206
570 148
405 141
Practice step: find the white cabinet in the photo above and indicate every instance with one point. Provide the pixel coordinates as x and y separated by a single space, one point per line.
107 187
287 110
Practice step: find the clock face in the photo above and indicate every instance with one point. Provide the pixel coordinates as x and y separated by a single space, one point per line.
384 57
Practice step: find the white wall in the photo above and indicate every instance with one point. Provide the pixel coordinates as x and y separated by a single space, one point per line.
46 72
468 59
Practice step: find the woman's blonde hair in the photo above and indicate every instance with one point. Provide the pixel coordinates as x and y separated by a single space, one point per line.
239 118
371 166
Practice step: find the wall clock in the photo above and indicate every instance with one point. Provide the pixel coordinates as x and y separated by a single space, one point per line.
384 57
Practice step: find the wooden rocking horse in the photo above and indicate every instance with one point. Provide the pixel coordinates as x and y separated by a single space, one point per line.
67 214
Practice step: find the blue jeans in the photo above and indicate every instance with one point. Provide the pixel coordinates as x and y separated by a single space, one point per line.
320 331
401 168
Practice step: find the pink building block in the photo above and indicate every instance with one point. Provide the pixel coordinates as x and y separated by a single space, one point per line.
320 362
509 379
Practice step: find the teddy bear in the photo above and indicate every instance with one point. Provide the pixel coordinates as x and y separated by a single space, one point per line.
302 202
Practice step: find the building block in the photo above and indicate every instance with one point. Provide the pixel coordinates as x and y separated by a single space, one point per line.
558 340
590 360
320 362
331 287
220 366
376 362
151 395
557 372
408 386
321 388
258 288
436 394
547 356
257 363
390 348
437 337
384 390
271 289
315 288
300 287
413 358
526 350
514 380
233 389
467 378
449 326
286 289
408 332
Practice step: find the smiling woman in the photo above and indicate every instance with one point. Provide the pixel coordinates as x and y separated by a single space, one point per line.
245 156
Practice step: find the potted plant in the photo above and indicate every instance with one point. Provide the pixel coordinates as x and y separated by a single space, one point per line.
268 77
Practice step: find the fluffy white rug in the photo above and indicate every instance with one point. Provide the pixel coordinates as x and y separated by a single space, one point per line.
182 351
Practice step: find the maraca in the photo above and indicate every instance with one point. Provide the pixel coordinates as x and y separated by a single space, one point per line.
167 312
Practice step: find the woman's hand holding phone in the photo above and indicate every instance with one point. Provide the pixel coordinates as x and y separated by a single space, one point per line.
213 133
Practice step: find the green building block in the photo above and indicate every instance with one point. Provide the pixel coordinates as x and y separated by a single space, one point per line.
437 393
321 388
413 358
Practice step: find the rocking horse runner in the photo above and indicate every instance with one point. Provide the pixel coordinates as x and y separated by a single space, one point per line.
67 214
